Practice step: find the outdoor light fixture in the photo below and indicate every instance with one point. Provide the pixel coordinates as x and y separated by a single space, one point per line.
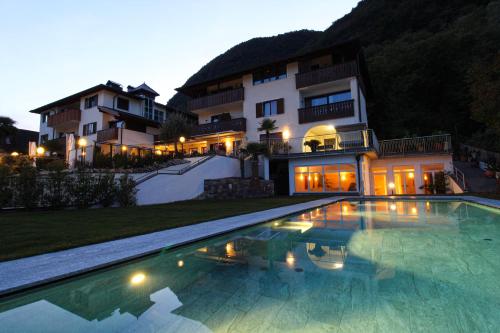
124 148
82 142
411 175
137 278
40 150
180 263
331 127
228 143
391 186
286 134
14 154
182 139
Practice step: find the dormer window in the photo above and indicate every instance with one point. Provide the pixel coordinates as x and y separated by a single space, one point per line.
122 103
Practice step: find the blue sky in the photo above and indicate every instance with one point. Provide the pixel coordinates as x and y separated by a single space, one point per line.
51 49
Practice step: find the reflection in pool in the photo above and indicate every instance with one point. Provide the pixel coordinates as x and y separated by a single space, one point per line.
387 266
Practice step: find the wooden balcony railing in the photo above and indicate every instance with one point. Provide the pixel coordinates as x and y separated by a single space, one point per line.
223 97
433 144
236 125
326 112
328 74
64 118
107 134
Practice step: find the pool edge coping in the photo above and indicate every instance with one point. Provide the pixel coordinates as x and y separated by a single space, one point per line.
255 220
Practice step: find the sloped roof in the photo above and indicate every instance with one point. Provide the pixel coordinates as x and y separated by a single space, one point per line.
143 87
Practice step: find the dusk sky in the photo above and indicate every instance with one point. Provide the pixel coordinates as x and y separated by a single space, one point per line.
52 49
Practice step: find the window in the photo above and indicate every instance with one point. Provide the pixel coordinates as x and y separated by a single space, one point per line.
90 102
326 178
148 108
159 116
44 138
44 116
89 129
404 180
270 108
122 103
329 98
268 74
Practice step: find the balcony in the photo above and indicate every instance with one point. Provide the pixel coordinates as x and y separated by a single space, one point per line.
328 144
220 98
434 144
233 125
108 134
328 74
65 118
326 112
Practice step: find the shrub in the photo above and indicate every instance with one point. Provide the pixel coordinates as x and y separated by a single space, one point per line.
102 161
126 192
57 184
106 189
82 189
5 188
28 188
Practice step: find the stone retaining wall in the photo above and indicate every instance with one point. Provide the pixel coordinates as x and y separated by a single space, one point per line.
237 188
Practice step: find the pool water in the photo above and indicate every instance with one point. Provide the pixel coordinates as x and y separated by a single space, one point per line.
380 266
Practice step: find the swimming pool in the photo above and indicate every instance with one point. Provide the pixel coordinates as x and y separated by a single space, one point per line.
372 266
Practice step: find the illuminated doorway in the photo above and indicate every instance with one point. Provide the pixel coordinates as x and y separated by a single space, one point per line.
404 180
380 181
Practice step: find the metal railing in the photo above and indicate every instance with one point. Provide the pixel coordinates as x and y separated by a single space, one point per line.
328 74
459 177
413 146
188 167
223 97
326 112
330 144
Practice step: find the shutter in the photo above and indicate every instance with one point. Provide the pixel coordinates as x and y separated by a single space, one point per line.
281 106
259 113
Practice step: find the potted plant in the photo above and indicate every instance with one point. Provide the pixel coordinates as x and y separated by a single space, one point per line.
313 144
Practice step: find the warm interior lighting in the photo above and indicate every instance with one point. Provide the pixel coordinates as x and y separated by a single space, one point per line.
331 127
182 139
345 209
286 134
301 177
180 263
391 185
343 177
158 152
228 143
82 142
290 259
425 177
14 154
414 210
230 250
411 175
309 178
137 278
393 206
124 148
40 150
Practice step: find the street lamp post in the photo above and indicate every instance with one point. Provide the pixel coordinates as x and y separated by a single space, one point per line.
182 140
82 143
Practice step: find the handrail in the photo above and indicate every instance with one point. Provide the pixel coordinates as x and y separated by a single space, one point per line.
223 97
188 167
420 145
460 178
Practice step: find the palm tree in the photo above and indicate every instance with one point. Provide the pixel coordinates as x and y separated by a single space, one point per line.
7 128
267 125
175 126
255 149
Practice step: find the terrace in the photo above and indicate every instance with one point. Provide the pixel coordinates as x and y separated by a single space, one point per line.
215 99
326 74
433 144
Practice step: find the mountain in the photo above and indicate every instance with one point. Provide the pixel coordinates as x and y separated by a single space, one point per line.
433 64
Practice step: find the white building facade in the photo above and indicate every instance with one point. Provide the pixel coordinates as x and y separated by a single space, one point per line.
322 142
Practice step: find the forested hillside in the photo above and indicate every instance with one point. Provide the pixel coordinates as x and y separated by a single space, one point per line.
434 65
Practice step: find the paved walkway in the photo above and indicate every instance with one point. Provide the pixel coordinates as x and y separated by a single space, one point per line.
475 178
35 270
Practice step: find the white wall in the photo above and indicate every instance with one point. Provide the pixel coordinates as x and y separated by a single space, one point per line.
204 115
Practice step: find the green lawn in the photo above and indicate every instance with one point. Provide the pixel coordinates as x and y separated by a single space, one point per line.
24 234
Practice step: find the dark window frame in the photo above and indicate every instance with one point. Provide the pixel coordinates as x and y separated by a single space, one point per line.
44 138
120 100
89 129
90 101
260 108
269 74
308 100
45 117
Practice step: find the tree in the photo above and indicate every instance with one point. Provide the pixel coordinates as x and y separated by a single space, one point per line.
7 128
485 92
174 127
256 149
267 125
